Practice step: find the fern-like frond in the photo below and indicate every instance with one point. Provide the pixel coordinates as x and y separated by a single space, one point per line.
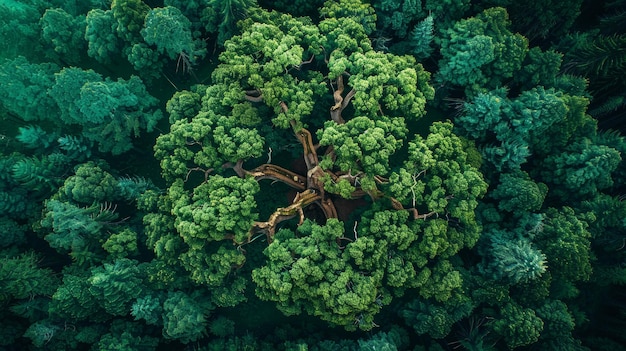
34 137
610 105
603 55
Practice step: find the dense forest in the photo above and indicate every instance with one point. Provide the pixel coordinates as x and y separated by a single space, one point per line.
312 175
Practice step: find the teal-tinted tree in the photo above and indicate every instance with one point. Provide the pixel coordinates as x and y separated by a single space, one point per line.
102 41
21 278
12 233
24 92
539 20
21 29
40 175
516 192
116 285
72 300
185 316
127 336
64 34
511 259
192 9
109 113
221 16
170 31
538 122
481 52
33 137
14 199
77 231
582 170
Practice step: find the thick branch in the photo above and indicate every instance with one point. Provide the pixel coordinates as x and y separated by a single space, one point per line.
254 95
270 171
340 102
302 200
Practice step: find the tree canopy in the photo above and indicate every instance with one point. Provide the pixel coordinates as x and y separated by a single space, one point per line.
312 175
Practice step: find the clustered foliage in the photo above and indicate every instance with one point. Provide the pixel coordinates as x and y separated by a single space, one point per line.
331 175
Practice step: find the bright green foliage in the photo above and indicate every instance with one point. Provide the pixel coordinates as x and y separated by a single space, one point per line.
204 144
437 178
444 282
213 268
116 285
221 208
170 31
351 8
308 274
122 244
161 236
100 34
90 183
21 278
517 325
516 192
481 51
362 144
395 85
64 33
183 105
283 51
24 88
184 316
